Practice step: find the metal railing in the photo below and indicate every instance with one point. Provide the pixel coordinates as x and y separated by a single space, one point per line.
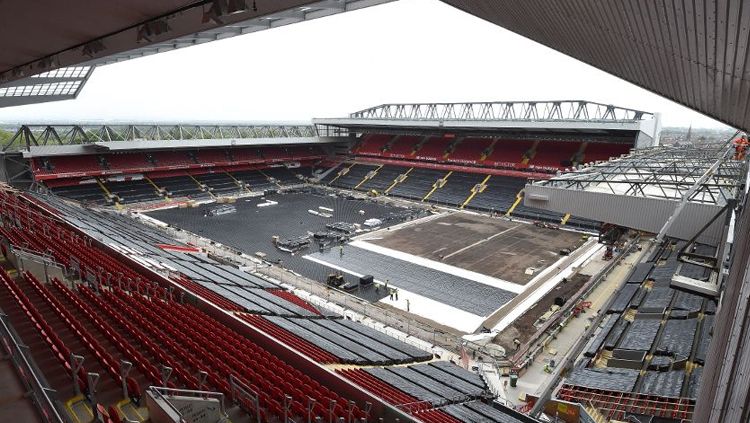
40 393
163 393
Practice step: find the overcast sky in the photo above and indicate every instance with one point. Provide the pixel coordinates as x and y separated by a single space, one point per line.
406 51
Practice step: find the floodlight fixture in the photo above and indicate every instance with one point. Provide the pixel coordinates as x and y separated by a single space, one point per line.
92 48
236 6
49 62
152 29
221 8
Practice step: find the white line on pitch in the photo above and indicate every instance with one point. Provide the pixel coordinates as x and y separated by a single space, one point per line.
481 241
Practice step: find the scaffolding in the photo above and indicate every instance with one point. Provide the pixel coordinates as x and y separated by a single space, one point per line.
642 191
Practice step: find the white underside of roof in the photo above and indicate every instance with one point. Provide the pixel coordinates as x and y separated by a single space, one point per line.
99 147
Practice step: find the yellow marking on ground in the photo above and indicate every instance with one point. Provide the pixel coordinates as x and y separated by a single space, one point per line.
126 402
436 185
419 145
268 177
156 187
396 181
106 191
474 192
365 178
102 186
239 184
525 160
69 404
491 148
338 175
581 152
519 197
197 182
565 219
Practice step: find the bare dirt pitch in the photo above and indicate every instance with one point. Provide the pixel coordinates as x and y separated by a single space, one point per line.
495 247
523 328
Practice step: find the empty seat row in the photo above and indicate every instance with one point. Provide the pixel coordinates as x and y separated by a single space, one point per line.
256 366
109 370
372 144
58 348
129 162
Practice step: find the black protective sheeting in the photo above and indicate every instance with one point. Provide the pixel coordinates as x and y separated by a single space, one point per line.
601 335
465 294
406 385
679 314
383 179
355 336
710 307
660 363
381 338
446 392
456 189
236 276
464 414
694 382
638 298
354 176
687 301
460 372
623 298
500 414
343 354
677 338
251 228
694 271
640 335
705 339
259 300
640 272
666 384
662 275
448 379
366 353
621 380
615 334
657 300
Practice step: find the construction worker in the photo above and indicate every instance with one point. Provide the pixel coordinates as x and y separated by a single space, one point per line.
740 147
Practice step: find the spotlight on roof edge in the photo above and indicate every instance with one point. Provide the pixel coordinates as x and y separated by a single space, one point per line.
92 48
152 29
221 8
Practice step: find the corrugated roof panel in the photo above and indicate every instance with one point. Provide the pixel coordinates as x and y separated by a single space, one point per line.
695 53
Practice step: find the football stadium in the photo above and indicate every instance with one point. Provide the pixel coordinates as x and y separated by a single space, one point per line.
508 261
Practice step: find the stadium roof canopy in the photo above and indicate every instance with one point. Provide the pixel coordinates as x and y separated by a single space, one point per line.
75 33
696 53
83 138
642 190
574 117
58 84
